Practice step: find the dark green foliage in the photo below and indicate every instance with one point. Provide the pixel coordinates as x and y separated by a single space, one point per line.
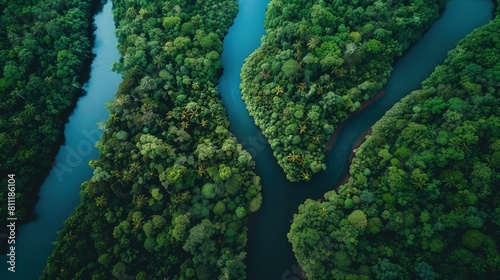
430 192
45 51
318 61
172 188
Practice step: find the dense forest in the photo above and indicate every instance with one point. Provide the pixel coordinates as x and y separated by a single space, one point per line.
422 198
172 188
45 53
317 63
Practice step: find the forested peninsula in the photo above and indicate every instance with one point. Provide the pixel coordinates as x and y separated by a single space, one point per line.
317 63
422 199
45 53
172 188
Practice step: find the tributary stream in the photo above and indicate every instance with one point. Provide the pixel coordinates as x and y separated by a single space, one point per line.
270 255
59 194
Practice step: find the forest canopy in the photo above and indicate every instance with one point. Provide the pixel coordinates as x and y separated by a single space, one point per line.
172 188
45 53
317 63
422 198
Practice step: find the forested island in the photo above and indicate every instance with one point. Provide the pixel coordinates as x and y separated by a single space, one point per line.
45 52
172 188
422 199
317 63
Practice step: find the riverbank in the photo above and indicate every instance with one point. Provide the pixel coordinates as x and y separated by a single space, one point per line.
361 139
36 117
364 104
184 186
69 168
269 252
382 185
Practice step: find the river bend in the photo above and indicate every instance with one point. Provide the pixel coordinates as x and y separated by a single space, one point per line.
270 255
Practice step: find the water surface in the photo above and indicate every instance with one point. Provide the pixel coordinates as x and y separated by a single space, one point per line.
59 194
270 255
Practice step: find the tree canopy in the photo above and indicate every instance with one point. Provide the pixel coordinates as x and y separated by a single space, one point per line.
45 55
317 63
172 188
422 199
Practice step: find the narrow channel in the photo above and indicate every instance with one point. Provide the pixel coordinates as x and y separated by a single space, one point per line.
59 194
270 255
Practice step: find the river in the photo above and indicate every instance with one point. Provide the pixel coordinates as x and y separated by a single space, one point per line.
59 193
270 255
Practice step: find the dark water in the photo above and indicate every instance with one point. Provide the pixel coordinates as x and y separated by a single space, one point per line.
270 255
59 194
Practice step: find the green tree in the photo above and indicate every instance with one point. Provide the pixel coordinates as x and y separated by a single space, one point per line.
171 22
473 238
180 224
290 68
208 190
358 219
211 42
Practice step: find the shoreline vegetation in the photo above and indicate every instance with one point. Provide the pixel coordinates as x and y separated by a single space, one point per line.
357 144
361 139
364 104
420 201
45 52
317 63
172 188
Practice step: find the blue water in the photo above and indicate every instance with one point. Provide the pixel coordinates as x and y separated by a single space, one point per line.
270 255
59 194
